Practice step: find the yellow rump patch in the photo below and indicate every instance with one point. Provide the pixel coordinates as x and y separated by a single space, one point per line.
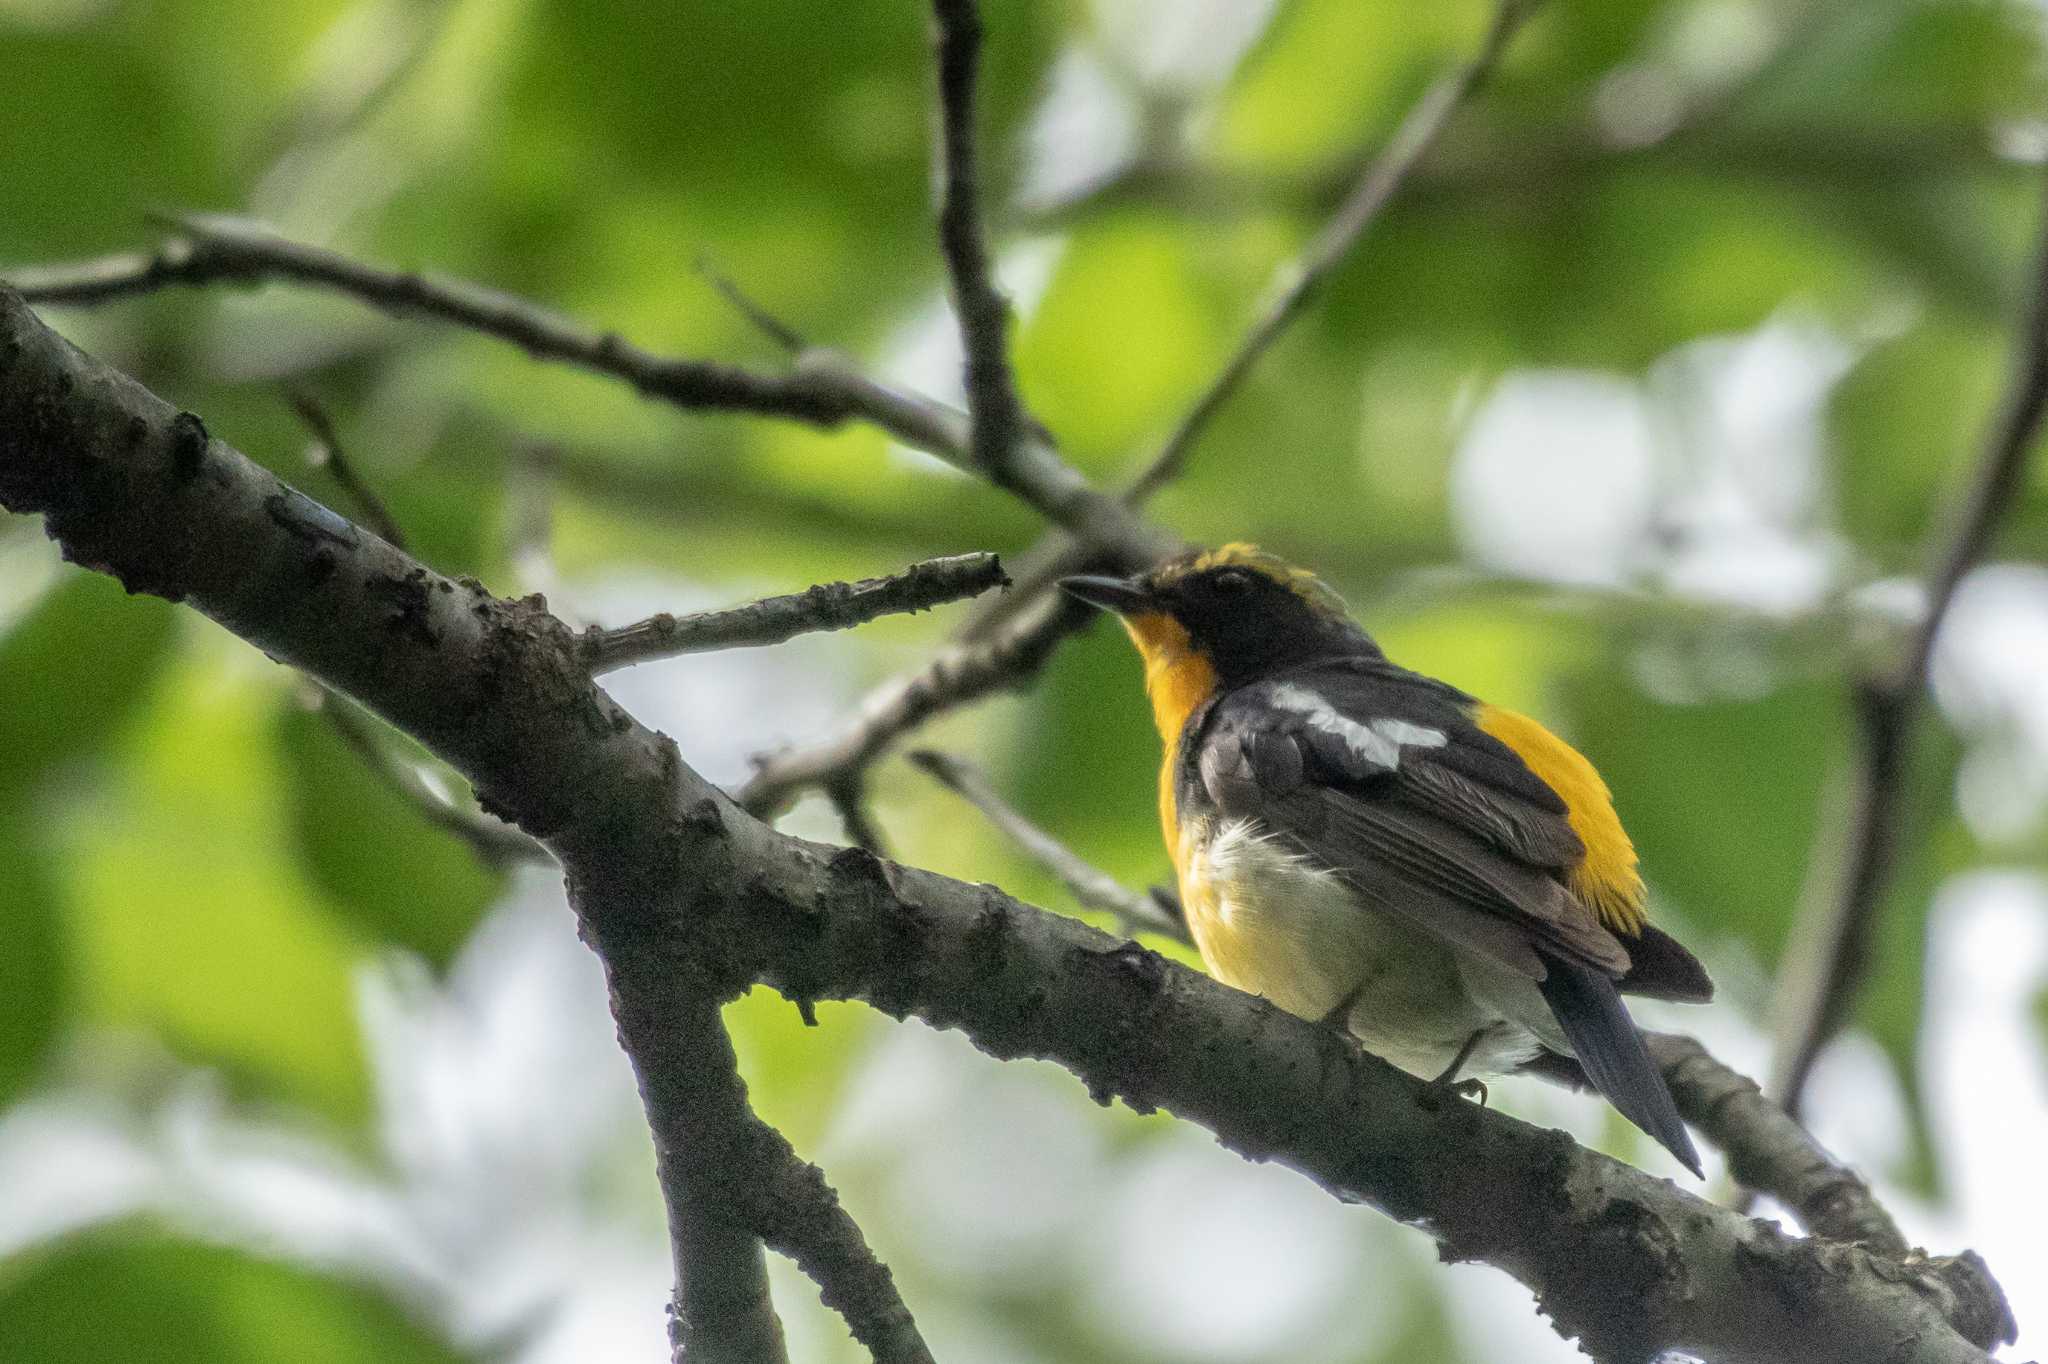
1607 879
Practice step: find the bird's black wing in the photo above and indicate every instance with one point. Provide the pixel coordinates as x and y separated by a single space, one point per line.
1332 762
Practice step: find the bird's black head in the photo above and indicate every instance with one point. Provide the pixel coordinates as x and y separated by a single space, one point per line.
1245 611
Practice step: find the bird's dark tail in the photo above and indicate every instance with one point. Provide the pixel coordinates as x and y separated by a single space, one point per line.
1610 1049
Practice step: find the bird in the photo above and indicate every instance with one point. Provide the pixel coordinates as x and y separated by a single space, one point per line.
1366 846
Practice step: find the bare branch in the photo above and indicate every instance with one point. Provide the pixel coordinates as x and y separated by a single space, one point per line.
329 455
998 412
1769 1152
958 675
1830 954
828 606
687 902
767 323
848 793
1300 280
824 387
495 842
1093 887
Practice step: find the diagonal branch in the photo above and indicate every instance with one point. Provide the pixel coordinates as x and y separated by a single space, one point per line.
992 399
1299 282
688 901
329 455
1830 956
771 620
961 673
824 388
1294 287
496 843
1093 887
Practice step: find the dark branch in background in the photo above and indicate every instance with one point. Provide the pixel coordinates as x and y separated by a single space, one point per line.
496 843
992 399
823 389
1411 142
1830 956
688 901
329 455
849 796
1294 287
1089 884
961 673
828 606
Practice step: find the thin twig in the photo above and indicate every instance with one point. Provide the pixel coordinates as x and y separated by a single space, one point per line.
771 620
767 323
961 673
495 842
1094 888
1300 280
848 793
1830 956
1294 286
328 454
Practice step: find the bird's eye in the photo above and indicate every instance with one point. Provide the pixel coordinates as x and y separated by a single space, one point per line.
1232 581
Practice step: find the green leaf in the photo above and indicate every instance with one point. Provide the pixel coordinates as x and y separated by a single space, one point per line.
75 669
385 869
135 1294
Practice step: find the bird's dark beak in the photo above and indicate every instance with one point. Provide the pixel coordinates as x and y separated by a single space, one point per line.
1123 596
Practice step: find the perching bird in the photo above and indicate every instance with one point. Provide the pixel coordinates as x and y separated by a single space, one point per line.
1363 844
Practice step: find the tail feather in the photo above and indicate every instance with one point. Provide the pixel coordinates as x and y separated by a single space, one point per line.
1611 1051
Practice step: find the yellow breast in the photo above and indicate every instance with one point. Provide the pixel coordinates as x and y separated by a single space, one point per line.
1607 879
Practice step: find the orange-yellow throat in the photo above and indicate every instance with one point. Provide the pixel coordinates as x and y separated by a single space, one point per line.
1178 678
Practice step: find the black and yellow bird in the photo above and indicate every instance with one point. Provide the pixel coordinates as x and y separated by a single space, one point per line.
1360 843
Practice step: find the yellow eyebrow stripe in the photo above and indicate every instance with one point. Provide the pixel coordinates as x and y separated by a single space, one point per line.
1606 879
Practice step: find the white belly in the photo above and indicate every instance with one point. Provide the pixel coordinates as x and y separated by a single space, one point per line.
1267 922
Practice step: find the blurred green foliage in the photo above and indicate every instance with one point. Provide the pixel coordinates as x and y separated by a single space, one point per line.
189 855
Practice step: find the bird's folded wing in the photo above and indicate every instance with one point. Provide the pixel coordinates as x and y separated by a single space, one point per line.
1386 796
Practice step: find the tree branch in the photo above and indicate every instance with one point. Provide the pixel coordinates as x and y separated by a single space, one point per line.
687 900
827 606
329 455
961 673
495 842
824 388
1093 887
1304 276
1830 955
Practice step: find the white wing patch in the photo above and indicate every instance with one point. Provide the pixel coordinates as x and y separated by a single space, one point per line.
1379 741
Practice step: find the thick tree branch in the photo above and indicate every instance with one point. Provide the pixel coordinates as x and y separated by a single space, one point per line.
1830 956
1769 1152
687 900
827 606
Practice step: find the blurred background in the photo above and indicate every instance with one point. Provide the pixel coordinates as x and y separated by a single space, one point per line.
1636 412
